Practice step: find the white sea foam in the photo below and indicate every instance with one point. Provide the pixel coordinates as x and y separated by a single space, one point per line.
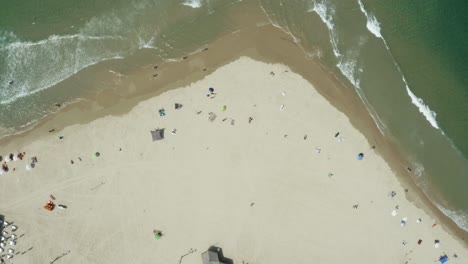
146 44
423 108
459 217
193 3
372 24
326 11
348 68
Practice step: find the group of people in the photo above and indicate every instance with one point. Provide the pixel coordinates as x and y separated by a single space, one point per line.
13 157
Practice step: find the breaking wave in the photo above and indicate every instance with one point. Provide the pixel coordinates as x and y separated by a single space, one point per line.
459 217
373 26
193 3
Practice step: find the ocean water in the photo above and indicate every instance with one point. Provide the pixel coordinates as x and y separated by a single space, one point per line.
405 59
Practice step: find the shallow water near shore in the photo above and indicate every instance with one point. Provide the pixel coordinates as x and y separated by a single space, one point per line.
414 87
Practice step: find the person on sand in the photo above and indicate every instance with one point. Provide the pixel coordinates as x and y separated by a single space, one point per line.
5 167
11 156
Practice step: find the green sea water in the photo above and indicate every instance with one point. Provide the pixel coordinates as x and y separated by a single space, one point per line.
405 59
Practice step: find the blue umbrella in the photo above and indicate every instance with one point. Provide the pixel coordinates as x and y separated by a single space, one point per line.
360 156
211 89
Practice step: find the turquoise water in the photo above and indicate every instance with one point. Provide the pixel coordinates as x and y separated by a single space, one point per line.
406 60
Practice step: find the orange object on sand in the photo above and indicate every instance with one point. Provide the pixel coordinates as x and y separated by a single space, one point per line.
434 224
49 206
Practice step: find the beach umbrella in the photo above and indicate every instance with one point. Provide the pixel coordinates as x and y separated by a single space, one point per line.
211 89
28 167
223 108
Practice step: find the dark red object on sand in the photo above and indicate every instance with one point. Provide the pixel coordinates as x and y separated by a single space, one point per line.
52 197
419 242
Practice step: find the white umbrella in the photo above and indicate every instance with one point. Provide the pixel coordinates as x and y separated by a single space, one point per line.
394 213
15 157
28 167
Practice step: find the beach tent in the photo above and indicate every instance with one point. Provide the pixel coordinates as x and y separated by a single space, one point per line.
157 134
443 259
210 257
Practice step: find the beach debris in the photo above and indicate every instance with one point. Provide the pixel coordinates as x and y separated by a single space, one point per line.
177 106
49 206
403 222
12 243
360 156
394 212
211 116
157 134
162 112
9 256
282 107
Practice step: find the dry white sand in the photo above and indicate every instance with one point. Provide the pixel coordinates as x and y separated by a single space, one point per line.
260 195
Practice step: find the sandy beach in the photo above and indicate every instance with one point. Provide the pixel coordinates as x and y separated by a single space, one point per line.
264 168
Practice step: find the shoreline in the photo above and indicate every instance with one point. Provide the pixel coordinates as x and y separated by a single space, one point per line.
230 179
257 44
